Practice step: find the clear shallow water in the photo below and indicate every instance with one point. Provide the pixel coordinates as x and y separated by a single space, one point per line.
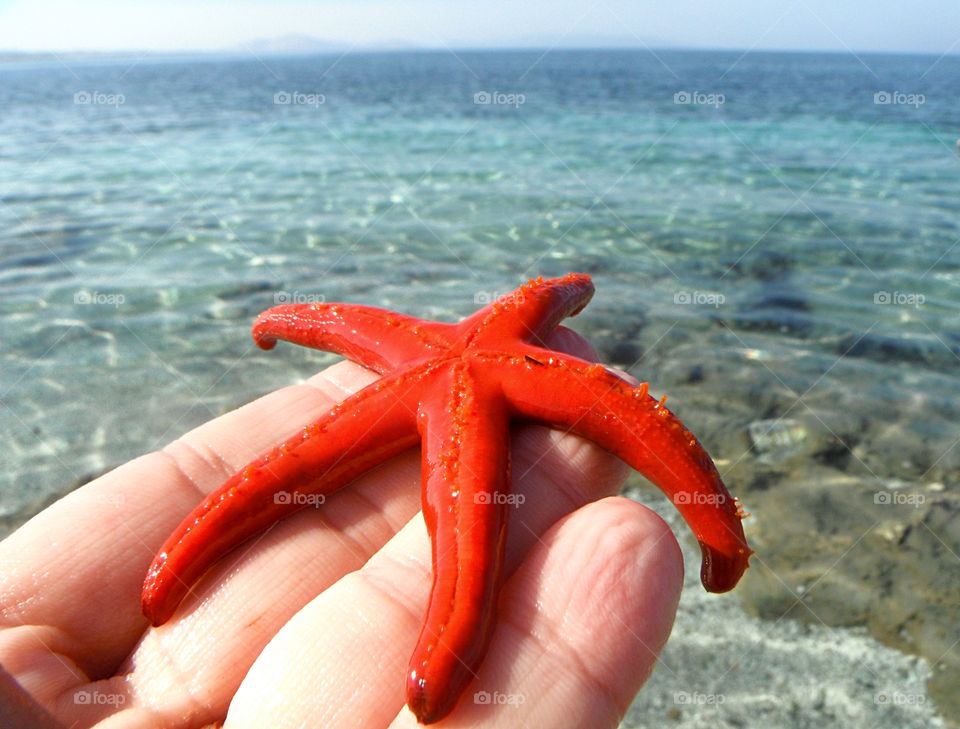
185 192
791 251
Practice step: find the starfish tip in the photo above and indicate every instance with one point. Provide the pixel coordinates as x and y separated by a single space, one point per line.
721 572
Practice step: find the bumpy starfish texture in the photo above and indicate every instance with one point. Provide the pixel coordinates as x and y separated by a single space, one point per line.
455 388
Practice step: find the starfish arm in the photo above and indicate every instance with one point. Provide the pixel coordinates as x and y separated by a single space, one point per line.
531 312
590 401
364 430
465 434
375 338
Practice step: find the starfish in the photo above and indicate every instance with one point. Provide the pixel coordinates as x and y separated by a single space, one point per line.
454 388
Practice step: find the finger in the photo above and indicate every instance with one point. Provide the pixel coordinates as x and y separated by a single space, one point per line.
20 710
185 672
342 659
580 629
579 632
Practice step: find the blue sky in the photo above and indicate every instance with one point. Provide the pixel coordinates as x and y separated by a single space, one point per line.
931 26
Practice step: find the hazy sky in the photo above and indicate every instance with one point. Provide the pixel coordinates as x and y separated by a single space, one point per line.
931 26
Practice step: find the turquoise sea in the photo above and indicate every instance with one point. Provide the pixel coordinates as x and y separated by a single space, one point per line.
776 234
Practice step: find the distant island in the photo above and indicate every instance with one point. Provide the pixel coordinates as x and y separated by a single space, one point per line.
293 44
286 45
302 44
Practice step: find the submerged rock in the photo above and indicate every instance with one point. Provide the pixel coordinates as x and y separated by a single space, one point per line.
777 440
724 668
839 550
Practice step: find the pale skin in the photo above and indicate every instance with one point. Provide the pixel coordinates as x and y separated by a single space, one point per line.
312 623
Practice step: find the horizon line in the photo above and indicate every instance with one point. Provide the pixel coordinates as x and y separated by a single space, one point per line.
347 48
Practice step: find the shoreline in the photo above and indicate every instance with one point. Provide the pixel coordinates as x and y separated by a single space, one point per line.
725 667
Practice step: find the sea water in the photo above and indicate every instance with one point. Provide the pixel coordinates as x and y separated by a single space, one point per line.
758 222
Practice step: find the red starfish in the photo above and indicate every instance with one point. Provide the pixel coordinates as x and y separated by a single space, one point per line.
456 388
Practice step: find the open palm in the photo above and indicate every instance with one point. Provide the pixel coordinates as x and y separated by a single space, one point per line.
312 623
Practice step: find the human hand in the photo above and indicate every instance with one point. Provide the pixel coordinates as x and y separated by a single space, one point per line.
312 623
